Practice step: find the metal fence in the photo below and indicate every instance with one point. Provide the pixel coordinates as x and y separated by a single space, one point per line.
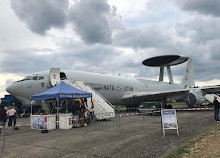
138 111
94 124
127 110
2 129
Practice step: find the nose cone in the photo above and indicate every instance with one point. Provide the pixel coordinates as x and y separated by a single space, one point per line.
12 89
17 89
9 88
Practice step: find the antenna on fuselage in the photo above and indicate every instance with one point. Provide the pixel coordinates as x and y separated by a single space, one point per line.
165 61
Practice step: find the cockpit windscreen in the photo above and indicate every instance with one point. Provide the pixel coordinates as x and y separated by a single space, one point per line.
32 78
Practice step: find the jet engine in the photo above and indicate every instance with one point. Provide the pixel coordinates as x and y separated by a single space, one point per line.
194 97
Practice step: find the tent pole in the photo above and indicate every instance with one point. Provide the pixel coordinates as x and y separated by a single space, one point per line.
31 108
58 106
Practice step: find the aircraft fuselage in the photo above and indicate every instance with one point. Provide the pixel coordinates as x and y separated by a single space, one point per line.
111 87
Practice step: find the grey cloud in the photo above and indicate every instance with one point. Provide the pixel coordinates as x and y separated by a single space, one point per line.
94 20
202 45
201 6
102 59
200 30
195 38
27 60
205 65
149 36
205 61
98 58
41 15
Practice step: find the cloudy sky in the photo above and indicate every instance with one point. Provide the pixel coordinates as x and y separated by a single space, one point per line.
108 36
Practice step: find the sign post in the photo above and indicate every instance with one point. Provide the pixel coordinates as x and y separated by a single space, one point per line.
169 120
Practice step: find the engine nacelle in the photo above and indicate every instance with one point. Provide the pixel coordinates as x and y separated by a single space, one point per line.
194 97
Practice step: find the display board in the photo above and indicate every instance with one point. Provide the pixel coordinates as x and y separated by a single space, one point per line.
169 120
39 122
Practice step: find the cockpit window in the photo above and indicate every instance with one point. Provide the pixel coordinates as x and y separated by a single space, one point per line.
41 78
35 78
32 78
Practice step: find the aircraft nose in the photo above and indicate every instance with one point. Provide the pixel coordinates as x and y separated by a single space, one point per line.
9 88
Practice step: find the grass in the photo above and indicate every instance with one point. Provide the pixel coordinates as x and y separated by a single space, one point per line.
218 127
185 148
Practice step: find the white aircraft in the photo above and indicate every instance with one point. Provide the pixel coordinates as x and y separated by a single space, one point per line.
120 90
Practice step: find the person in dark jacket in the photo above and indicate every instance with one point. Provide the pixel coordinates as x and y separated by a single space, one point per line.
216 107
82 114
75 111
2 117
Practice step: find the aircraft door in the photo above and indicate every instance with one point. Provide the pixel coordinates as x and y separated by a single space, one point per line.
54 76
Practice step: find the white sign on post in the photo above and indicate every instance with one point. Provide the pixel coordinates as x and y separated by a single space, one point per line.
169 120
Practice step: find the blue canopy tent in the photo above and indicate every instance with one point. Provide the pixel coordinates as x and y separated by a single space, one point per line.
62 91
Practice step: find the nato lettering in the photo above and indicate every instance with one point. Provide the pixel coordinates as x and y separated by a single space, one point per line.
118 88
109 87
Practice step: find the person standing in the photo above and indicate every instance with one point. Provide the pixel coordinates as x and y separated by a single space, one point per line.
11 112
14 118
216 107
75 109
6 109
85 101
2 117
82 113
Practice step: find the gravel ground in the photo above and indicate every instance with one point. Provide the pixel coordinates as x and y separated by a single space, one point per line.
137 136
207 147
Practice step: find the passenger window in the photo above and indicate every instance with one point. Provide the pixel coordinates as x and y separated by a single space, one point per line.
41 78
35 78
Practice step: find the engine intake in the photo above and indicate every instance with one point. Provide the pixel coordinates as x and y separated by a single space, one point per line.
194 97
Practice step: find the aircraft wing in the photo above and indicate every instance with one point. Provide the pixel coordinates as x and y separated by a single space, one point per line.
211 89
155 96
167 94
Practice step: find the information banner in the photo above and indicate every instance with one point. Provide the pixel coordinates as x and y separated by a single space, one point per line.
169 120
39 122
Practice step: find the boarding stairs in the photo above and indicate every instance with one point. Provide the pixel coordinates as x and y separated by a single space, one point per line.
210 97
102 108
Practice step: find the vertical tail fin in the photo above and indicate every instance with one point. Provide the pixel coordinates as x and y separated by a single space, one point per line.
189 76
